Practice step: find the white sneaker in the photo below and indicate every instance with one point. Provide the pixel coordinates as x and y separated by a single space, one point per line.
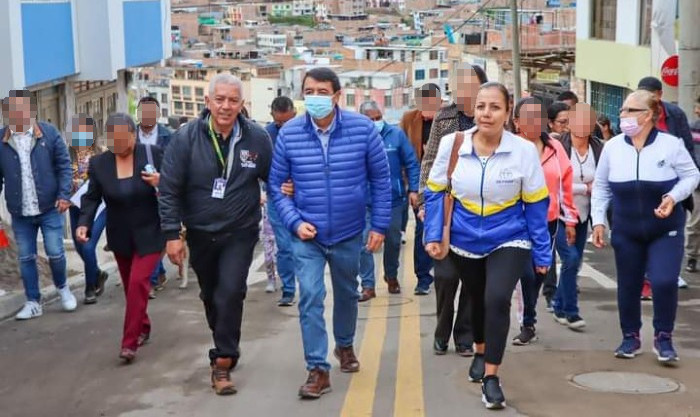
68 300
270 287
30 310
682 283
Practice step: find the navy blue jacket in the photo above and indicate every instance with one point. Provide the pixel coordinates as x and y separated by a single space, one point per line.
164 135
678 126
50 165
401 156
329 192
273 131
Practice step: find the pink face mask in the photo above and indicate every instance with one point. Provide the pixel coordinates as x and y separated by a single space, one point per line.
630 126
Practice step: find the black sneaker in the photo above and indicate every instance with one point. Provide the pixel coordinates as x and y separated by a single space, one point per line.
90 296
439 347
101 279
575 322
478 368
492 394
526 336
465 351
287 300
692 265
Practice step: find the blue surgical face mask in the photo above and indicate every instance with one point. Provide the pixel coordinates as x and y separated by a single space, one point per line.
81 139
379 124
318 107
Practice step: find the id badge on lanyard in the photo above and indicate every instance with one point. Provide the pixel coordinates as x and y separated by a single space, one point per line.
218 190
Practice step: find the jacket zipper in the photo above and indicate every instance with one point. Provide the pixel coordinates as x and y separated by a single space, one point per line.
639 192
481 191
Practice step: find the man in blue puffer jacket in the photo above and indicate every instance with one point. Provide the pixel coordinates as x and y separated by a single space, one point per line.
401 157
331 156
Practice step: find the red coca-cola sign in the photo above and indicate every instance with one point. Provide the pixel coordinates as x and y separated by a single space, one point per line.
669 71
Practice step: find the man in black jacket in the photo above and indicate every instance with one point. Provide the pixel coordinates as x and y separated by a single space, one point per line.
210 182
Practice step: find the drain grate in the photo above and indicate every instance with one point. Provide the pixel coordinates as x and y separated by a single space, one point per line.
625 383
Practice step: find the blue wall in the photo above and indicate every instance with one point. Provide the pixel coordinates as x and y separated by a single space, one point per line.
143 32
47 33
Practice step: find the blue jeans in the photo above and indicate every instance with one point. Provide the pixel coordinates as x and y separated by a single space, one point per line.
88 251
531 284
392 249
566 298
422 262
159 270
26 229
285 256
343 260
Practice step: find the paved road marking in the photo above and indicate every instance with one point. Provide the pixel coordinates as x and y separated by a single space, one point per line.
408 401
359 400
597 276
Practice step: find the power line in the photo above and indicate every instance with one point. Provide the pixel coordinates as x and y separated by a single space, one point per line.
467 20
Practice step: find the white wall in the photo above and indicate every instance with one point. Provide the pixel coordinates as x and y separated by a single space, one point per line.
628 22
584 17
11 48
93 33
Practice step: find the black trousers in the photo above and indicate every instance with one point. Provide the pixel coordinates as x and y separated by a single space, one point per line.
490 283
447 280
221 262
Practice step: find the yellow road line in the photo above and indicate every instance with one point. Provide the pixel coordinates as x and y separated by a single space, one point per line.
408 401
359 399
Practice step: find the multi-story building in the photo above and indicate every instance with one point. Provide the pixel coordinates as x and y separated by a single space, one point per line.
388 89
348 9
79 64
427 64
283 9
617 32
302 7
272 42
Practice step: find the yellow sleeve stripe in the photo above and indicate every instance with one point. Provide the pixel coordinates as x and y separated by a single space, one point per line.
435 187
536 196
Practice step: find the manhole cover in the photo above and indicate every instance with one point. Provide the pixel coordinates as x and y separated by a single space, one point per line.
625 383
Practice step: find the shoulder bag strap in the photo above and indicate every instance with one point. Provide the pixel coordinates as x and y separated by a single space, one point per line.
459 139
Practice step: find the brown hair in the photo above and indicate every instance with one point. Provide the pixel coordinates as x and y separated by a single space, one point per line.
501 88
651 101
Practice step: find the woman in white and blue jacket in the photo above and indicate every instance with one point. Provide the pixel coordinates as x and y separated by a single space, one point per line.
644 173
499 219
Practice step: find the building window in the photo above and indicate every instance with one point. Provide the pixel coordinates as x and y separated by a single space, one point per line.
199 92
350 100
178 105
406 99
444 74
420 75
164 112
200 107
607 99
187 91
433 55
175 89
433 73
163 98
645 29
189 106
604 16
388 101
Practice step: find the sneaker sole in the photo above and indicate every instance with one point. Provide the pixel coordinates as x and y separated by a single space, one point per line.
622 355
560 320
285 304
309 396
474 380
665 360
576 326
492 406
34 316
518 342
466 354
440 352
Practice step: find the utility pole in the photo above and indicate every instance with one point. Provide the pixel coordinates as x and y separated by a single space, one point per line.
516 50
688 55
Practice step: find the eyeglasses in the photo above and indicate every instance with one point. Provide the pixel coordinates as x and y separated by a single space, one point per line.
631 110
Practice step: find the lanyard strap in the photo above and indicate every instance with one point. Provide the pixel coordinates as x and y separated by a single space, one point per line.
225 163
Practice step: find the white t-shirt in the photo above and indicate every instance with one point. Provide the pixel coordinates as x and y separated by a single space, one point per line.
584 172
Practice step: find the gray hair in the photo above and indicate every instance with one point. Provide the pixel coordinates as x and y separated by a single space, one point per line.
368 106
225 78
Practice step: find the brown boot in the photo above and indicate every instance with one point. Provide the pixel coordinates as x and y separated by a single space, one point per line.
317 384
221 377
347 358
367 294
394 287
